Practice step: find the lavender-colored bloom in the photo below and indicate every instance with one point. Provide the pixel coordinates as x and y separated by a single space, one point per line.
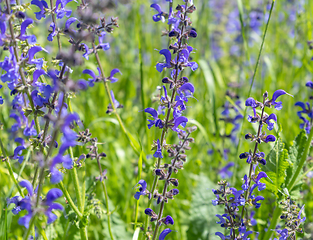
93 78
270 125
261 186
41 5
142 189
158 153
69 22
111 77
154 114
30 131
61 12
52 33
27 204
245 186
159 16
250 102
270 138
164 233
299 215
104 46
115 102
283 234
309 84
149 212
19 150
168 220
24 25
168 64
276 94
224 172
179 121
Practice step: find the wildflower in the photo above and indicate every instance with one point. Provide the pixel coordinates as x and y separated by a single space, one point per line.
158 153
41 5
164 233
142 190
154 114
160 15
28 204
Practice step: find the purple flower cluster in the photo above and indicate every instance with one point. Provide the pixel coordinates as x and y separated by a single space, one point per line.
234 199
293 219
39 97
28 203
177 58
306 114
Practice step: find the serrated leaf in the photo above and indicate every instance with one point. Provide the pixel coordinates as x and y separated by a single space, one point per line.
202 212
295 154
275 168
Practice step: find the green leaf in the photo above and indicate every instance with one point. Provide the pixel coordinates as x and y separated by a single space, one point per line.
295 154
275 168
202 213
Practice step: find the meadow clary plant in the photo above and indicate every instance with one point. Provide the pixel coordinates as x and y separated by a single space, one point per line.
176 92
42 96
236 218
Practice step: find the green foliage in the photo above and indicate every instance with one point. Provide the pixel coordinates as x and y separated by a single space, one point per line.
295 154
276 166
202 213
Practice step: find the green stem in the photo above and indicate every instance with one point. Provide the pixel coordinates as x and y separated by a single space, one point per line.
31 223
70 201
273 220
107 89
74 177
107 207
251 85
8 164
83 233
302 161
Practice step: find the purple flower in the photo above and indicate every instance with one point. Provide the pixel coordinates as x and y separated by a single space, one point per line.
164 233
270 125
159 16
270 138
276 94
250 102
158 153
41 5
168 64
93 78
52 33
69 22
149 212
261 186
28 204
56 175
224 172
111 77
24 25
179 121
156 121
115 102
30 131
309 84
61 12
18 151
142 189
104 46
283 234
299 215
168 220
